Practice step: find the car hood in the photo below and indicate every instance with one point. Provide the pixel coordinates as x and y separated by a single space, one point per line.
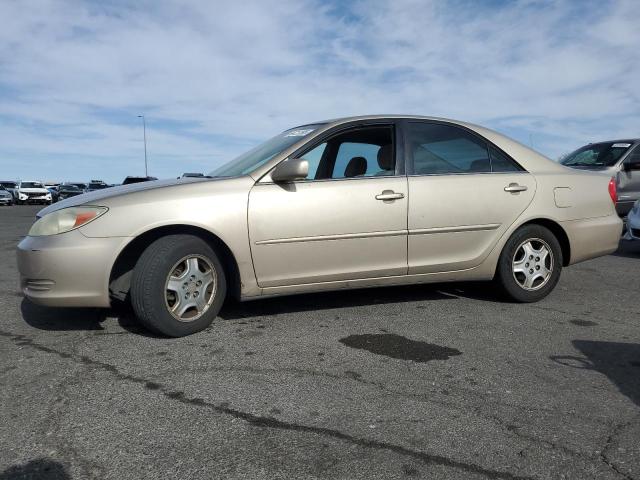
95 197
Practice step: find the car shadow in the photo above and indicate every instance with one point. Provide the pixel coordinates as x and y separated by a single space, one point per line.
70 319
62 319
628 249
81 319
358 298
620 362
40 468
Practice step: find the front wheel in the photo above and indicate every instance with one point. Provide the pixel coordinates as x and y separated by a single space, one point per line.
530 264
178 285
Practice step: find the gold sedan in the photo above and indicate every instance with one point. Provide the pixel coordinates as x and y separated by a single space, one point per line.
349 203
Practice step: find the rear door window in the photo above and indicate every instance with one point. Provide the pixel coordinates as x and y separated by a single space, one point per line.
437 149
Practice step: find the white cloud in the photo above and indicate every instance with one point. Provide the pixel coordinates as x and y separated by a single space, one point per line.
214 77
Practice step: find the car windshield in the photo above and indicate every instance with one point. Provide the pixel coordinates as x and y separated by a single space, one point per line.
70 187
264 152
8 184
597 155
97 186
31 185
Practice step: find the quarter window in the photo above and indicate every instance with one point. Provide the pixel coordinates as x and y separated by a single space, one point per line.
314 157
500 162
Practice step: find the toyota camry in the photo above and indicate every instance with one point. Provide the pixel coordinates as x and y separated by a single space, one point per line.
348 203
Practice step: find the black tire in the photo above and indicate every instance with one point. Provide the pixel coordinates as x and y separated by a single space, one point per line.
148 285
510 282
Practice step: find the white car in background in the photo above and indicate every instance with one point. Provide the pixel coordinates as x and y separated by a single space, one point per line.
32 192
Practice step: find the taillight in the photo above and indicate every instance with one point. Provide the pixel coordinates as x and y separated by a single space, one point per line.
613 190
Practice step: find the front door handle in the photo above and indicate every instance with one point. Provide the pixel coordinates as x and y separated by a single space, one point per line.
515 188
387 195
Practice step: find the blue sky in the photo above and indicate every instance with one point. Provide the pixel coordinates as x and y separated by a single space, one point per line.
215 78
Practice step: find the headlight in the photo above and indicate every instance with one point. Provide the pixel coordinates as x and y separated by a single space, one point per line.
65 220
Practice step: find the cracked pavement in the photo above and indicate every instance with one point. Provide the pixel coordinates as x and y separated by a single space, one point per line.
273 389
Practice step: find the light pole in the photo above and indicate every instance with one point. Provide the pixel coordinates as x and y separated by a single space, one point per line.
144 135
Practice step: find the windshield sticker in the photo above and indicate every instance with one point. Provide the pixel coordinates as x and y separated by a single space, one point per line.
621 145
299 133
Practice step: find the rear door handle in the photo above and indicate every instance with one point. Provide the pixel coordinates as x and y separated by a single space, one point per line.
515 188
389 195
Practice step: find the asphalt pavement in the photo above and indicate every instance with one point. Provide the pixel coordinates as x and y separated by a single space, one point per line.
441 381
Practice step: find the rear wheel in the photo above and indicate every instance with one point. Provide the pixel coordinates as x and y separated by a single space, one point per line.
530 264
178 285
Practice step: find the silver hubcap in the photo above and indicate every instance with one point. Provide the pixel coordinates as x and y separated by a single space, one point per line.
533 264
190 288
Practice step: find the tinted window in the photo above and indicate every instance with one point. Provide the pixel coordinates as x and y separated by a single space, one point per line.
31 185
500 162
440 149
634 157
596 155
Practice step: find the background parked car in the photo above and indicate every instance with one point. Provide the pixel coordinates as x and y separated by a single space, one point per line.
620 159
81 185
94 185
67 190
32 192
134 179
9 186
6 197
633 222
192 175
53 190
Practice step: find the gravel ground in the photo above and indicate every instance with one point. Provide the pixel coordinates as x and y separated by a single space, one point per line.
441 381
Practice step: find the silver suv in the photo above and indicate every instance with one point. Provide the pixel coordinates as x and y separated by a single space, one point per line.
617 158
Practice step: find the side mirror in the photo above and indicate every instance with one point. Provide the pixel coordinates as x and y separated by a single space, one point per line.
290 170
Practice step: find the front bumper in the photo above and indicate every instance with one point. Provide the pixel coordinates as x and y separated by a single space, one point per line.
39 198
67 270
6 200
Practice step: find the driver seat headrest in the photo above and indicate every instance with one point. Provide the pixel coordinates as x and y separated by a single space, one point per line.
385 157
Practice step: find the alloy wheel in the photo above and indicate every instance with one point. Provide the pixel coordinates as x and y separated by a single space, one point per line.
190 288
532 264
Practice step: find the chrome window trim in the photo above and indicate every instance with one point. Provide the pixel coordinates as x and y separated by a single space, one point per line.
371 177
519 172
